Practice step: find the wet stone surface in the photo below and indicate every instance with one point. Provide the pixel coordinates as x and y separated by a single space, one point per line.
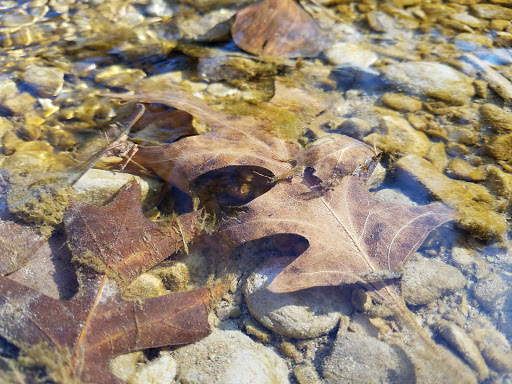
427 83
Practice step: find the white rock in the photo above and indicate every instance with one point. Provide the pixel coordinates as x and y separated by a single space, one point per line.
159 371
344 53
97 186
304 314
47 81
229 357
431 79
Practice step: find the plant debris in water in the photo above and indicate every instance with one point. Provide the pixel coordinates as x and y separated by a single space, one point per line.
425 85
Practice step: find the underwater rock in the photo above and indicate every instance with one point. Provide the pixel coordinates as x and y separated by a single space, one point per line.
97 186
131 368
161 370
144 287
5 126
491 293
347 53
306 374
396 137
437 156
469 20
426 280
474 205
302 314
212 26
470 42
461 169
229 357
20 104
117 76
500 147
358 358
8 89
46 81
459 340
431 79
356 127
401 102
499 119
495 348
491 11
499 181
233 68
500 84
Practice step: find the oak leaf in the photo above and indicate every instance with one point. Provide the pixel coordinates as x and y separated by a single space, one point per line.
352 235
118 238
238 141
80 336
277 28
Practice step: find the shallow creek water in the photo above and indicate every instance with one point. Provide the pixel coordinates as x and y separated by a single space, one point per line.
428 83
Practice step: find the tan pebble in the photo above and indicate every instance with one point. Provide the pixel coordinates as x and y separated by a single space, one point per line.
145 286
420 122
500 182
473 203
500 147
495 348
481 88
499 25
499 119
5 126
401 102
397 137
289 350
461 169
459 339
456 149
306 374
20 104
256 330
437 156
29 132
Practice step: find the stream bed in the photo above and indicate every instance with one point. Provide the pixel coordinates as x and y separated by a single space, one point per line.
428 84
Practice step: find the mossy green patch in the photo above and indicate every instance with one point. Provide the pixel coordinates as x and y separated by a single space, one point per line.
284 124
42 203
57 363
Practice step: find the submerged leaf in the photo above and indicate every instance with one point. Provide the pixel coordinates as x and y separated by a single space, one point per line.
238 141
117 237
97 325
352 235
277 28
76 339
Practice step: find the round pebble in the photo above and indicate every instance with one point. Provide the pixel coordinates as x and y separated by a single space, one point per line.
303 314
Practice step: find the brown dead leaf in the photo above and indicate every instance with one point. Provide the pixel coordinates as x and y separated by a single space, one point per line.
238 141
353 237
117 238
76 339
277 28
